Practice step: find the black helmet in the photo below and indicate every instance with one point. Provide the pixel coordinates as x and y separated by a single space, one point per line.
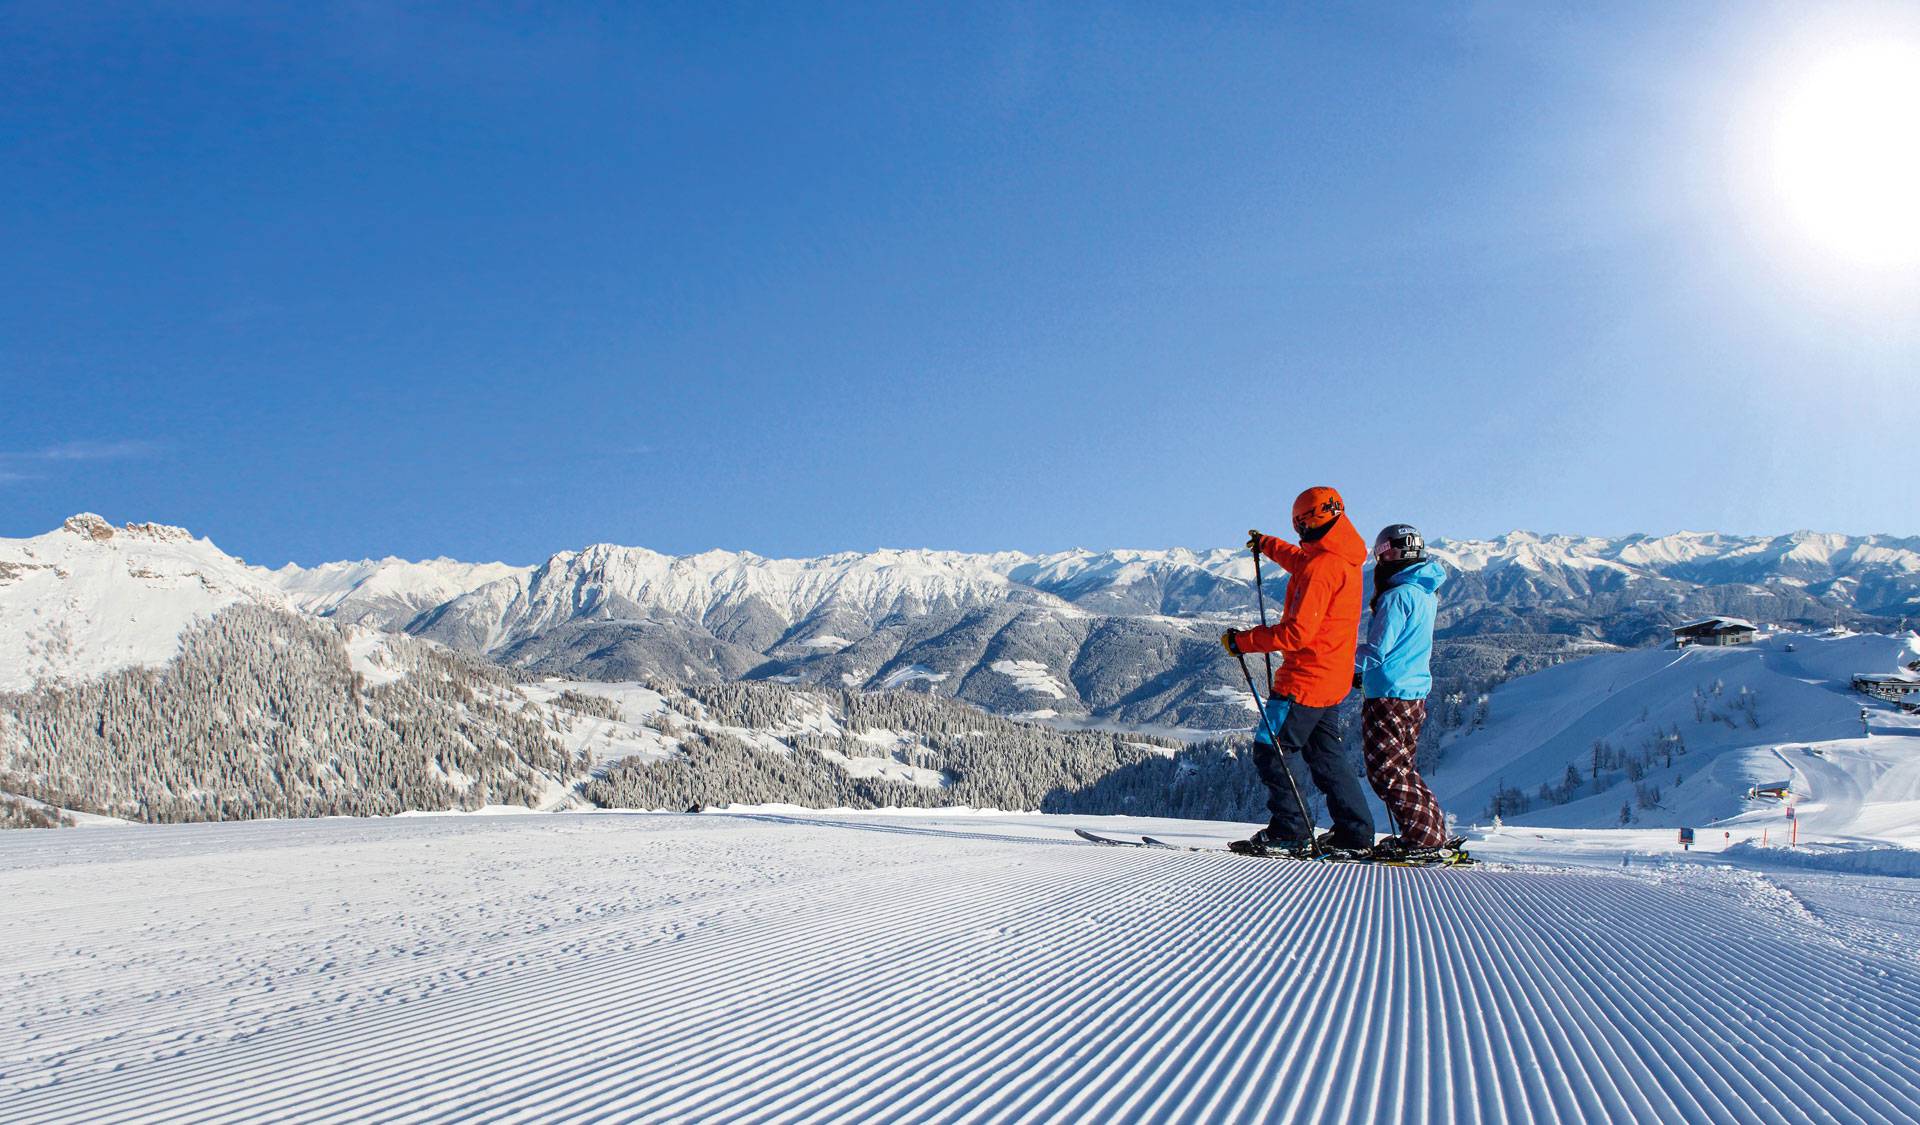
1399 542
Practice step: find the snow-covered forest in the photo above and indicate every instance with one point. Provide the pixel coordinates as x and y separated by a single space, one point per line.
958 755
263 715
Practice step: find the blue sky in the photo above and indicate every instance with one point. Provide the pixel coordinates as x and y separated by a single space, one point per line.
337 280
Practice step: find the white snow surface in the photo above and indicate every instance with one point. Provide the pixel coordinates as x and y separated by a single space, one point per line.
833 967
886 766
370 654
903 676
1234 696
1081 568
828 641
608 740
91 598
1723 622
1031 676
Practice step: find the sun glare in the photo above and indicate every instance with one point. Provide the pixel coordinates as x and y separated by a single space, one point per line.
1846 155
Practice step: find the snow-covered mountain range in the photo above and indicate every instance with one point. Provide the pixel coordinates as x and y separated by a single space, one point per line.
1122 635
1874 575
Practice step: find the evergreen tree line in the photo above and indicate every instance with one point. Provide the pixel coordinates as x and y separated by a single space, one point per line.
1210 781
598 706
1447 712
987 761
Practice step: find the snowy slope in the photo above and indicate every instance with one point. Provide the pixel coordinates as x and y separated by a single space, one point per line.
1708 724
603 739
90 598
825 968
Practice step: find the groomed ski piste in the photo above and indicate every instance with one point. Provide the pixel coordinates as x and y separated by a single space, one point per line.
785 965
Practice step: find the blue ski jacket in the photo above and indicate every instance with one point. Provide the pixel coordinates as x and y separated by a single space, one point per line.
1395 658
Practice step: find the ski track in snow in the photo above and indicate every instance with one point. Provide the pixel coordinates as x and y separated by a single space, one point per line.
722 968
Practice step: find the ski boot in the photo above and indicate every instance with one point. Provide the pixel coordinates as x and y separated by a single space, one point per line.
1393 849
1327 847
1266 843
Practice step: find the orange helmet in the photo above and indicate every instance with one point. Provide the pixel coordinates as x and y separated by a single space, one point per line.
1316 509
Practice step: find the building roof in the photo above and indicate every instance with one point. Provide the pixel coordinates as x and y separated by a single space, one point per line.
1719 623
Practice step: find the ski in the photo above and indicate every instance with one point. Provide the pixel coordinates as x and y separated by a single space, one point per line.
1448 859
1143 842
1451 857
1452 853
1149 841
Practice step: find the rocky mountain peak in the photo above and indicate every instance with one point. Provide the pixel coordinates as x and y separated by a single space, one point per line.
95 528
88 526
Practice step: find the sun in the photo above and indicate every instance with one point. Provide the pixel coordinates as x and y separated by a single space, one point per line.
1845 157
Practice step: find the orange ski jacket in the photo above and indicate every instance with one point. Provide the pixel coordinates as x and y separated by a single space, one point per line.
1319 628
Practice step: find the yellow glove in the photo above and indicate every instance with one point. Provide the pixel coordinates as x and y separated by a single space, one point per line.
1230 640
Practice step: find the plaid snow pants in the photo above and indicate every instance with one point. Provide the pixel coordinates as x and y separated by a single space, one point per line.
1391 733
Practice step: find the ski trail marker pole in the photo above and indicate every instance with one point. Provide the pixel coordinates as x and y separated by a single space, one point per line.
1313 845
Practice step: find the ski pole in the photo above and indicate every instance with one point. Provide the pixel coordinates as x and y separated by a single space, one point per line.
1313 845
1260 593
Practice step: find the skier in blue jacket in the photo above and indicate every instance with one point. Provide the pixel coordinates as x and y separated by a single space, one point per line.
1394 678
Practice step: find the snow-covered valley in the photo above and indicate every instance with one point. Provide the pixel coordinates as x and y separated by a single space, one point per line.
780 965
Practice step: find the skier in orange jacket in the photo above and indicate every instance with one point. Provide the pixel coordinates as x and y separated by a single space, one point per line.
1316 635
